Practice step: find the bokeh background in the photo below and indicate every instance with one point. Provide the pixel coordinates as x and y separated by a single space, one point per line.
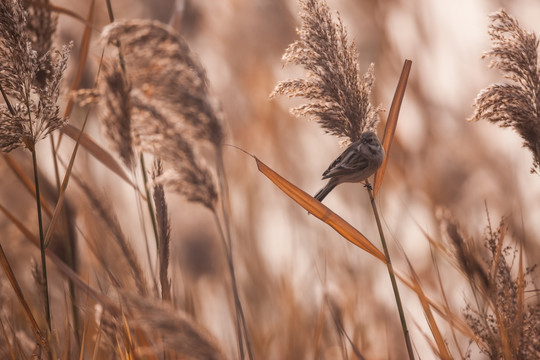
287 260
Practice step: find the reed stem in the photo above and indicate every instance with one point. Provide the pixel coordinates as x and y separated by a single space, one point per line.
41 240
392 275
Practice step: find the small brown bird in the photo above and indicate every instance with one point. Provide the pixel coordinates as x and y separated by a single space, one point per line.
358 162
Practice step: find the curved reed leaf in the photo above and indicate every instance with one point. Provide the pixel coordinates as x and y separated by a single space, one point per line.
320 211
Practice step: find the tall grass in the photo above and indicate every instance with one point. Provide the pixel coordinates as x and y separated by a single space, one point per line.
219 265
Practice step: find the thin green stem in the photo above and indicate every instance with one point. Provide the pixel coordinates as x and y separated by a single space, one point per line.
41 240
392 275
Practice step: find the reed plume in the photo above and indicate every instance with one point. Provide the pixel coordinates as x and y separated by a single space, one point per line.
505 323
154 97
177 332
116 110
29 76
160 63
172 116
338 93
515 53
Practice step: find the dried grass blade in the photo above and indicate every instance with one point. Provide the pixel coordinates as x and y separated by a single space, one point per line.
83 55
518 322
97 151
107 304
439 340
453 320
6 341
320 211
15 285
445 299
19 225
60 202
391 123
27 182
63 10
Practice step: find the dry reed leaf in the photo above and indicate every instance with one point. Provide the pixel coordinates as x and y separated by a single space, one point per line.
27 182
83 55
6 341
11 276
102 207
450 318
19 225
67 271
66 11
424 301
391 124
320 211
60 202
102 155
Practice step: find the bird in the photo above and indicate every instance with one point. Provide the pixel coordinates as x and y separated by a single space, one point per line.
357 162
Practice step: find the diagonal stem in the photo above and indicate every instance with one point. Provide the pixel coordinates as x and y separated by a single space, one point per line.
391 273
227 240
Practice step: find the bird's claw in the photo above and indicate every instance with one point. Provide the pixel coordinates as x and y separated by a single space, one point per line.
368 186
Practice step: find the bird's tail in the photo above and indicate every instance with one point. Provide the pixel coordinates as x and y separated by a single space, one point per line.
325 190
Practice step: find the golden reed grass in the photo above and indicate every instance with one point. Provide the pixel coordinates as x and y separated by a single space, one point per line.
154 101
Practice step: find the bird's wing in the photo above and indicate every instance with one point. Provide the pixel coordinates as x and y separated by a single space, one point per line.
350 161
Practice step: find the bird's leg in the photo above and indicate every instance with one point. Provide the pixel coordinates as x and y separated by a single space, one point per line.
367 185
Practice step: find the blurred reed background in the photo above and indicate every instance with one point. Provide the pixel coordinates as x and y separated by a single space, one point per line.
301 285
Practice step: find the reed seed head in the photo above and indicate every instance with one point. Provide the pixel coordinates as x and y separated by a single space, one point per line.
338 93
30 81
516 103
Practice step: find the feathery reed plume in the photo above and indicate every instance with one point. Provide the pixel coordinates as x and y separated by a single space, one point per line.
506 325
515 53
467 260
160 63
41 26
164 231
184 173
177 332
338 93
31 78
158 100
116 110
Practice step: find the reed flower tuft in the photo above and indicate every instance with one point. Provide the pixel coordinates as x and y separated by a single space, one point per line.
160 63
506 324
513 104
337 91
185 172
154 97
41 27
116 110
31 79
